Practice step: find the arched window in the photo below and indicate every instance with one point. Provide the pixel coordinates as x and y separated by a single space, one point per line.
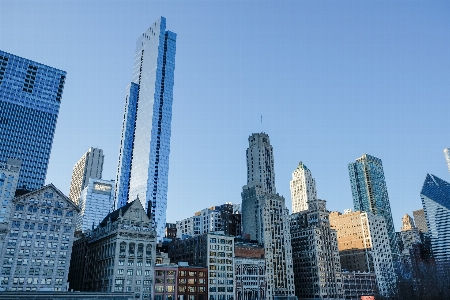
140 250
131 249
148 251
123 247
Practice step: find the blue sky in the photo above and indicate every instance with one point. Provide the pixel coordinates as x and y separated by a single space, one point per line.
332 80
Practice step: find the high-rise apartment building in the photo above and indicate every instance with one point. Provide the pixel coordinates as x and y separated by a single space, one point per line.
317 267
30 96
265 218
145 146
37 252
95 202
370 194
90 165
303 188
447 157
363 243
420 220
435 196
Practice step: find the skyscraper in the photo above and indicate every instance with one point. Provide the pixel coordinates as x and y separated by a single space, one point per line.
447 157
90 165
265 218
435 196
30 96
303 188
144 152
370 194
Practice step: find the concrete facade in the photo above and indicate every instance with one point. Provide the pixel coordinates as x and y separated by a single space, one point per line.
250 271
121 253
90 165
357 284
303 188
317 268
363 243
38 248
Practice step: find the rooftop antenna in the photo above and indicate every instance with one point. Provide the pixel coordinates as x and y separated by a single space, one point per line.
261 124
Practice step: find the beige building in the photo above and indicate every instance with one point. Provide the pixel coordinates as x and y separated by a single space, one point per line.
303 188
364 246
90 165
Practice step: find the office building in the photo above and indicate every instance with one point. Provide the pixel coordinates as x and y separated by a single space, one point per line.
435 196
317 268
37 252
370 194
78 261
171 231
409 235
216 218
303 188
357 284
30 96
120 253
420 220
95 202
90 165
145 146
250 278
265 217
9 177
447 157
363 243
214 251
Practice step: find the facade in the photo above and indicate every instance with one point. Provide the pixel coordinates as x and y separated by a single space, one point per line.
78 261
64 296
250 271
447 157
214 251
30 96
409 236
317 268
181 282
95 202
303 188
435 196
265 217
37 251
370 194
9 177
171 231
90 165
363 243
217 218
144 152
357 284
420 220
121 253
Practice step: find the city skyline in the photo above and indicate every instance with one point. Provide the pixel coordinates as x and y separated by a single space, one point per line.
389 68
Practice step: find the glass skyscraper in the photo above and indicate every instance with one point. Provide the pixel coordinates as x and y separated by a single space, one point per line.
435 196
30 96
144 151
370 194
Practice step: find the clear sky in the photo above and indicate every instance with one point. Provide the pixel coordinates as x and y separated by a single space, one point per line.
332 80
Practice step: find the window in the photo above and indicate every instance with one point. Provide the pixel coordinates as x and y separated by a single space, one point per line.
130 272
119 271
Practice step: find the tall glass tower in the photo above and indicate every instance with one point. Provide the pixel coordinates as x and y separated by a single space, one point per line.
435 196
144 152
370 194
30 96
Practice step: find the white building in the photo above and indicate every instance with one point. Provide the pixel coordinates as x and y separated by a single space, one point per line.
37 251
90 165
265 217
447 157
95 202
364 246
303 188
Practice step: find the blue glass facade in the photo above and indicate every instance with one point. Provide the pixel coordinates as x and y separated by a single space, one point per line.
370 194
435 196
148 153
30 96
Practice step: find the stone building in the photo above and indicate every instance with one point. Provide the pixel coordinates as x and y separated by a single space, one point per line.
214 251
78 261
364 246
303 188
317 268
38 247
250 271
121 253
265 217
